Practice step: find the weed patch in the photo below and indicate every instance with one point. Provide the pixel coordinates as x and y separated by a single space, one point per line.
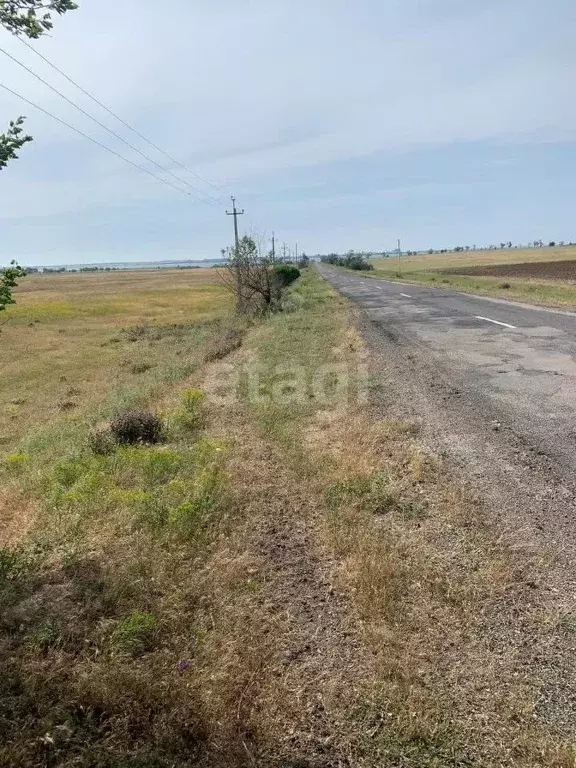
134 634
373 493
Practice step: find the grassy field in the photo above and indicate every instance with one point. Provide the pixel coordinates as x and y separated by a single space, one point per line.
252 591
540 289
69 339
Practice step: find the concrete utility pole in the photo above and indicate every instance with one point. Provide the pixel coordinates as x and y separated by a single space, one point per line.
399 254
273 246
237 213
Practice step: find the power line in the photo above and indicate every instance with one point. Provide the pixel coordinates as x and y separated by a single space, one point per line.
95 141
105 127
117 117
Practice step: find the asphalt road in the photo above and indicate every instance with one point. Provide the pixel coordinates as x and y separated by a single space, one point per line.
496 379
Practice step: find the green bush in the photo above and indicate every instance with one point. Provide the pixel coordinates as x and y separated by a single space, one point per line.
286 274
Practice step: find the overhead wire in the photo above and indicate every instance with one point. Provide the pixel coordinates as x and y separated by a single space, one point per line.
109 130
117 117
95 141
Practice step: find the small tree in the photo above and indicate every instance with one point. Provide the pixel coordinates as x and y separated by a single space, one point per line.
251 278
8 280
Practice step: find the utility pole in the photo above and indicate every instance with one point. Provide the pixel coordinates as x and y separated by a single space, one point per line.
284 251
296 253
399 254
237 213
273 247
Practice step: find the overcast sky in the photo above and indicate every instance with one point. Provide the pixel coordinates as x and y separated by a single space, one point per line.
337 124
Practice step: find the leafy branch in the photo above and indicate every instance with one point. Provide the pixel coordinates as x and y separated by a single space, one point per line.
8 280
32 17
12 141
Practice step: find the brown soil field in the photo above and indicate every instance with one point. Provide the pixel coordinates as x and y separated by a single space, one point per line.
540 270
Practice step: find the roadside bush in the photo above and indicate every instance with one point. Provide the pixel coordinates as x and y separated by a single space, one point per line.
504 286
351 260
357 262
286 274
136 427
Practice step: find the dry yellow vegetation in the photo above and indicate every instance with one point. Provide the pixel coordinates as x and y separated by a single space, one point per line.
68 339
453 259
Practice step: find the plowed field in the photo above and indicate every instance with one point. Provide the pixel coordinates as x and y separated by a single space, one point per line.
539 270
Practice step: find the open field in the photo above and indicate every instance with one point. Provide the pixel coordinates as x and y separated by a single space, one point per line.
454 260
564 271
482 272
67 342
252 591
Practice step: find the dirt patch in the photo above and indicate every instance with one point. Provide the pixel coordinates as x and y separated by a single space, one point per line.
537 270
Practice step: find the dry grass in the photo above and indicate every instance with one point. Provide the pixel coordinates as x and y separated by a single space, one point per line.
63 348
335 599
425 262
466 657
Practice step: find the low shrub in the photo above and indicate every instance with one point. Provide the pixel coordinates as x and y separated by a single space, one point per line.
504 286
136 427
286 274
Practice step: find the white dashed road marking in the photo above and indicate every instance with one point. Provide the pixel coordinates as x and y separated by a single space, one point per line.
496 322
406 296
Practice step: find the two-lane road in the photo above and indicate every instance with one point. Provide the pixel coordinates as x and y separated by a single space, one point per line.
482 366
